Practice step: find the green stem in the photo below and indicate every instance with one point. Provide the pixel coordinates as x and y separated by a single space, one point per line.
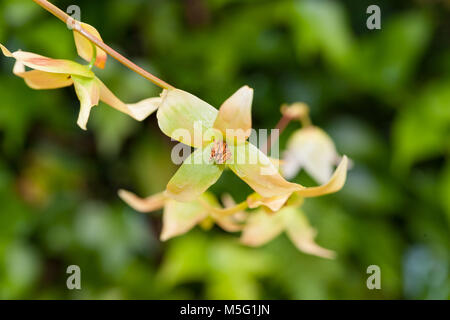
226 211
305 120
94 56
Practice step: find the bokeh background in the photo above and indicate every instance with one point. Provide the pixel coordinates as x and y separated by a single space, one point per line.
382 95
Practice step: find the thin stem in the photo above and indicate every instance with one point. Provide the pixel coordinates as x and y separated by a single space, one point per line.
226 211
281 125
305 120
78 28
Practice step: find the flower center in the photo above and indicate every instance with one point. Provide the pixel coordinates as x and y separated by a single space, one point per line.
220 153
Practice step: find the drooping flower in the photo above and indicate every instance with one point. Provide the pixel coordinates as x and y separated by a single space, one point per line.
262 227
180 217
308 148
220 138
283 213
311 149
50 73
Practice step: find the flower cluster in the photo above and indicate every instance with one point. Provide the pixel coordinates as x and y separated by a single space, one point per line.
276 201
220 138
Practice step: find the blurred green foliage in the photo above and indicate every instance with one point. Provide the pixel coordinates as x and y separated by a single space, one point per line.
383 95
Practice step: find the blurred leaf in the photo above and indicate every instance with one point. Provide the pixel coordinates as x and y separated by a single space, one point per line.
384 61
321 27
445 191
422 128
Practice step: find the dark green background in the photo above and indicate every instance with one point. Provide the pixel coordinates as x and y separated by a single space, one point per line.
383 96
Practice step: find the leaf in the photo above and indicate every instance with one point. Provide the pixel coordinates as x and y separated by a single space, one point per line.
389 58
85 49
256 169
321 27
445 190
420 130
184 117
195 176
89 94
234 119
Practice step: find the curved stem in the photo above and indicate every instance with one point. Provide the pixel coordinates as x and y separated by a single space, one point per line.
305 120
281 125
227 211
78 28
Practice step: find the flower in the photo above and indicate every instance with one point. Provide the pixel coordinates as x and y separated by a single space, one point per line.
220 138
312 149
50 73
283 213
309 147
262 227
180 217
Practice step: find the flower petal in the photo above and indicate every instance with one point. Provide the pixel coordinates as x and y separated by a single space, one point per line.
195 176
234 118
180 217
41 80
335 183
182 111
256 169
149 204
302 234
228 223
42 63
231 221
230 204
261 228
84 46
37 79
5 51
138 111
88 93
310 148
274 203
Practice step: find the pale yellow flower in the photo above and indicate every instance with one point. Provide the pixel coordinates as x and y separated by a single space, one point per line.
50 73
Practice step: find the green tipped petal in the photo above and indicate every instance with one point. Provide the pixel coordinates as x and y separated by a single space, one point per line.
184 117
89 94
195 176
180 217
